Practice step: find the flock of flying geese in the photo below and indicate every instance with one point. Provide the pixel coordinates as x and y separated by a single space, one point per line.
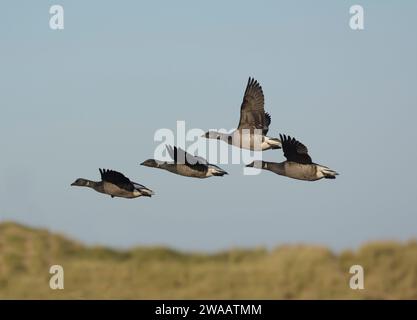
251 134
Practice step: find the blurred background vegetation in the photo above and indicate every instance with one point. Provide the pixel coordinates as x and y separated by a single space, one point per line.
287 272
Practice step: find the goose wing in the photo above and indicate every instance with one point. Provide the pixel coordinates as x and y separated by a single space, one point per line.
117 179
252 113
182 157
294 150
267 123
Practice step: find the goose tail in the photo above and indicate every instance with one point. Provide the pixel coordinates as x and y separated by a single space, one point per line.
215 171
327 173
146 192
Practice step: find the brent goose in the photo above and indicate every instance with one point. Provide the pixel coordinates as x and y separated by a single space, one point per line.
252 117
298 165
115 184
186 164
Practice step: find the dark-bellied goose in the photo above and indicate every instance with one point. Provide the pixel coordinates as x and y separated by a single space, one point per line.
186 165
115 184
298 165
253 125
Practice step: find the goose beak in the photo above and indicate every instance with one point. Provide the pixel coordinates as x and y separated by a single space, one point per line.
250 165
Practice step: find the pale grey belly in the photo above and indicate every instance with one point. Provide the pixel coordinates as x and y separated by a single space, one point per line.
184 170
301 171
249 141
115 191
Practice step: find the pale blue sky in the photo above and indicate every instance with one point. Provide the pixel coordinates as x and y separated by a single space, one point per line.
94 94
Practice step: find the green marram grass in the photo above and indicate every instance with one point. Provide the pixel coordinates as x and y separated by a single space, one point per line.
287 272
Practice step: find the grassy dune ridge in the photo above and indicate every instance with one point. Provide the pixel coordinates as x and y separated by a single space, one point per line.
287 272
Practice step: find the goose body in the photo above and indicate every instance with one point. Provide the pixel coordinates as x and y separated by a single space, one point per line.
115 184
186 165
298 165
254 122
246 139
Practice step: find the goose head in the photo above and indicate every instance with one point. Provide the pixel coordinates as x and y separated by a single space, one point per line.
150 163
80 182
211 135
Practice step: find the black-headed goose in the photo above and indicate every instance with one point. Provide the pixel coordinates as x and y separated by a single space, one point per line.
115 184
186 164
252 117
298 165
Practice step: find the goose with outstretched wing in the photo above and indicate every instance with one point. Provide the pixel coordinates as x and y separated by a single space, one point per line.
298 164
115 184
185 164
254 122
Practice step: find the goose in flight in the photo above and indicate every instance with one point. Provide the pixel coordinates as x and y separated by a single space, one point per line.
298 164
115 184
186 164
252 130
